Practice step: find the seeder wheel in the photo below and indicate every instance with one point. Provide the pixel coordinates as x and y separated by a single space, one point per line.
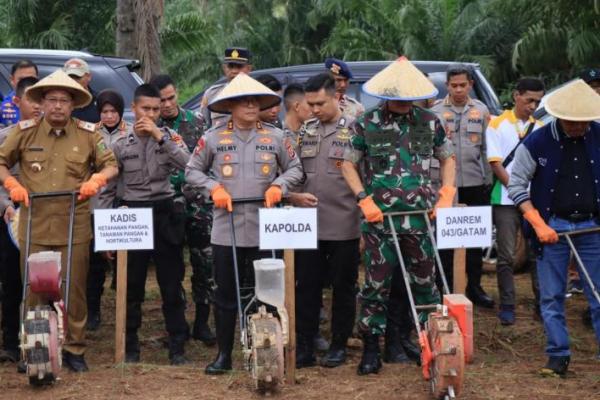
267 361
41 343
448 363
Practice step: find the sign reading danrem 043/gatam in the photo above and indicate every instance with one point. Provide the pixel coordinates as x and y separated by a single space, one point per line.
464 227
123 229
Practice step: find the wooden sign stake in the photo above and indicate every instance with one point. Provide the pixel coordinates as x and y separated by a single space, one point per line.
290 305
121 306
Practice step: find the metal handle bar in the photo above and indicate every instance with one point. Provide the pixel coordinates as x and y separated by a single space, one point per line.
62 193
579 231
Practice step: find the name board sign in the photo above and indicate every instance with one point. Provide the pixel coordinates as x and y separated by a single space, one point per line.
464 227
123 229
287 228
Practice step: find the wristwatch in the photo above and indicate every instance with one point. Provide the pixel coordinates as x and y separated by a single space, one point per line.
361 195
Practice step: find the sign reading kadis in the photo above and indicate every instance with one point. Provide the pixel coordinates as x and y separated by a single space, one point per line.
287 228
123 229
467 227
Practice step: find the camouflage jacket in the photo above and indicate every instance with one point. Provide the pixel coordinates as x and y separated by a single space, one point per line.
191 128
394 154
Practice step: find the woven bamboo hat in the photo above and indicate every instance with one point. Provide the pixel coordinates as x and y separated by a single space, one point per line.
241 86
62 81
576 101
400 80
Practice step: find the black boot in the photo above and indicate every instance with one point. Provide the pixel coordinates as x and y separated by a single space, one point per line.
305 352
225 323
556 366
132 348
201 331
75 362
336 355
393 352
370 362
177 349
478 296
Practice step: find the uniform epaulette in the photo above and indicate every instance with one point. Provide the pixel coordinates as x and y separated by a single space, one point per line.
437 101
28 123
311 122
86 126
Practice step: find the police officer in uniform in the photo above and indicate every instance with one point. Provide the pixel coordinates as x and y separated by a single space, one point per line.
54 154
147 156
236 60
9 111
198 214
321 148
342 75
297 111
10 273
238 160
392 147
466 120
112 127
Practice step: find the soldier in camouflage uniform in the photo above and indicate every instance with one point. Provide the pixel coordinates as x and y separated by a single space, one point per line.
198 215
392 146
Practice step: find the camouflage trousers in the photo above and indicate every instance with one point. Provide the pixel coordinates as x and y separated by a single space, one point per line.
381 263
197 237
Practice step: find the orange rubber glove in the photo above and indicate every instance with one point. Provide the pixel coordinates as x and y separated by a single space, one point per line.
544 233
273 196
370 210
445 200
16 191
92 186
221 198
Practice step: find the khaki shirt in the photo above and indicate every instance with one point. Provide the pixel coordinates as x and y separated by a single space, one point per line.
213 119
51 161
145 166
351 107
322 150
465 127
246 165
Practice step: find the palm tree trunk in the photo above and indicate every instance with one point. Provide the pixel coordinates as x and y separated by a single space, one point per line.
126 38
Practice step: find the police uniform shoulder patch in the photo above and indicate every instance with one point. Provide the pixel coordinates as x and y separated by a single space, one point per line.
438 101
86 126
28 123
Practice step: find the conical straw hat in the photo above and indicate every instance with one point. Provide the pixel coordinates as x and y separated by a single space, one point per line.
243 85
60 80
400 80
576 101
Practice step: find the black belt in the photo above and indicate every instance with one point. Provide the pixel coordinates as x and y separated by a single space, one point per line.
578 217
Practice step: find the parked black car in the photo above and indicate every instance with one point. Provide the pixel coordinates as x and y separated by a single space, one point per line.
364 70
107 72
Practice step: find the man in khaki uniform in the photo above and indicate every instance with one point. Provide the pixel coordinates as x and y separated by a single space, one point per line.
236 60
242 159
342 75
323 142
466 120
297 111
56 154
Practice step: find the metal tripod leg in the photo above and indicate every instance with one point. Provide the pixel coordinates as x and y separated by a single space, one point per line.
438 261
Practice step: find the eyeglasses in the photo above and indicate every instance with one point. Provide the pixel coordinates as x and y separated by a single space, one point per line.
248 101
63 101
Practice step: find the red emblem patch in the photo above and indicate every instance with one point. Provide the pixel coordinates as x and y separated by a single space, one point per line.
200 146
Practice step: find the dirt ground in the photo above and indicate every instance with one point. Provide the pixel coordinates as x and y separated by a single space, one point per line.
505 364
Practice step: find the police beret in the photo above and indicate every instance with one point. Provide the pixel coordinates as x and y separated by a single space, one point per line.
237 55
338 67
590 74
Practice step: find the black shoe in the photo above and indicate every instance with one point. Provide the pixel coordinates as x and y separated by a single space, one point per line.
556 366
479 297
177 349
412 350
93 321
370 362
75 362
201 331
9 355
132 348
132 357
21 367
393 352
305 352
336 355
225 324
320 343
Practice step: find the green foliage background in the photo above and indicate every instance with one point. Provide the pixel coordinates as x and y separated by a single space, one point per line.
553 39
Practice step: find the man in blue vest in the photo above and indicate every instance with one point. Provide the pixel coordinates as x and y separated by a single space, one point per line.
561 162
9 111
